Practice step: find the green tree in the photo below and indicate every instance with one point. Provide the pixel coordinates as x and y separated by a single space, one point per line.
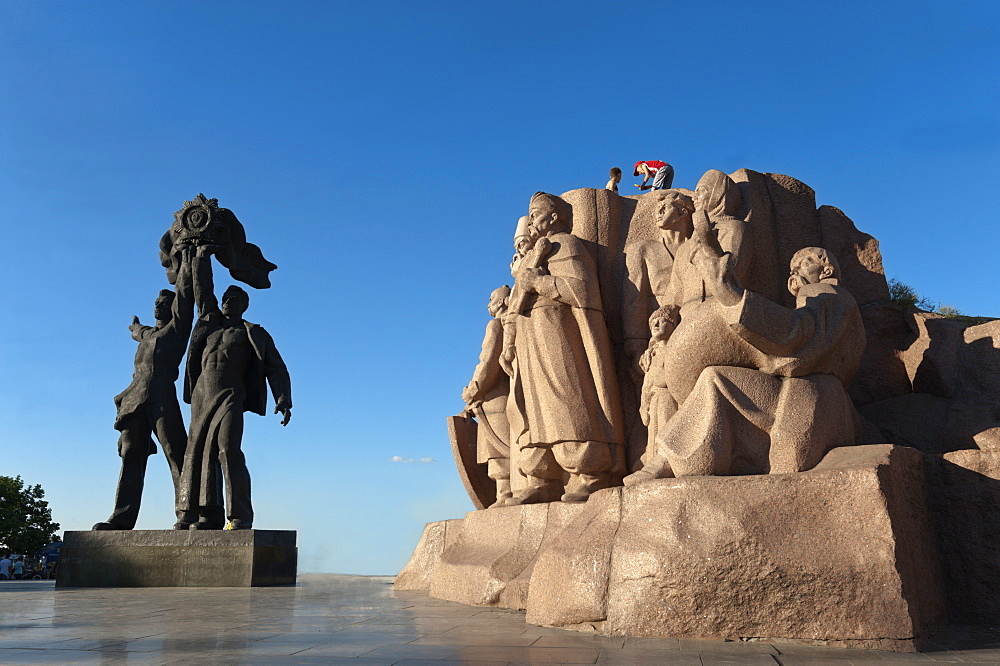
25 518
907 297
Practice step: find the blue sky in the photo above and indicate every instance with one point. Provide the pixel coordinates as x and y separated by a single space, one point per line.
380 154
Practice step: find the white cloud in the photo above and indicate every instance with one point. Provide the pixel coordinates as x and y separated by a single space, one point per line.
401 459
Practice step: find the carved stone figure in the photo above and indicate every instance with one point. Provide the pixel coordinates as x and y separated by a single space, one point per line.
656 405
486 398
691 306
202 222
649 264
230 361
564 373
787 405
522 242
149 405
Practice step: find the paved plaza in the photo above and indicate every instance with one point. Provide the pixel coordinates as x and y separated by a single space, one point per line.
332 619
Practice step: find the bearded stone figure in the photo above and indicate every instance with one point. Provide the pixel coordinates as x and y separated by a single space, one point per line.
563 383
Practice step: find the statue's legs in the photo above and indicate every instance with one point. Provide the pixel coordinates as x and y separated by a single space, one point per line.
134 446
234 470
212 403
498 469
168 424
588 464
721 429
543 476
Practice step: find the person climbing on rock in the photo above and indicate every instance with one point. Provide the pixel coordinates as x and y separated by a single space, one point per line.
661 173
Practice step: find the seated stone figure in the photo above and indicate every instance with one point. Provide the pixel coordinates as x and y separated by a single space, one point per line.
785 407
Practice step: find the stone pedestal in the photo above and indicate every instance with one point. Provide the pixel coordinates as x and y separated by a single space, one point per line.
843 554
168 558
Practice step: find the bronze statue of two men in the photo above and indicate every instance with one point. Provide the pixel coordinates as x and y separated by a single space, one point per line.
230 361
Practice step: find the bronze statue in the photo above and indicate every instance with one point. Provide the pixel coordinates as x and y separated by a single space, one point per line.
230 361
149 405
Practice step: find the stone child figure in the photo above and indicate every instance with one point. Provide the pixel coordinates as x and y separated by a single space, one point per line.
564 382
149 405
786 404
486 398
230 361
656 406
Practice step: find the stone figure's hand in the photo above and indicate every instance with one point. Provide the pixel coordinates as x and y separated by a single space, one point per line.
286 412
135 324
467 395
717 273
644 361
507 360
796 282
527 278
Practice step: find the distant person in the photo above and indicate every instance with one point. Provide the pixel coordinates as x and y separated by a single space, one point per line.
5 568
18 569
616 177
661 173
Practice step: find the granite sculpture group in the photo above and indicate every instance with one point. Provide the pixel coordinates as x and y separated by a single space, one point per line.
229 363
683 424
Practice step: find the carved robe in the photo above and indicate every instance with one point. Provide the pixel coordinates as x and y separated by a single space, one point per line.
564 370
786 411
491 385
649 265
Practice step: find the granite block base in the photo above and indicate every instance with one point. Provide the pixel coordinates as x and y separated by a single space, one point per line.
843 555
168 558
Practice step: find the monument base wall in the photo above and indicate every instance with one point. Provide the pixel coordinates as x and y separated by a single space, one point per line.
168 558
843 555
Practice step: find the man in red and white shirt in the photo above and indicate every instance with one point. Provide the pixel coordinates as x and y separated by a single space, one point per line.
661 173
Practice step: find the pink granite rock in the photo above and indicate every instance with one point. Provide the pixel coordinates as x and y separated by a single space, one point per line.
838 553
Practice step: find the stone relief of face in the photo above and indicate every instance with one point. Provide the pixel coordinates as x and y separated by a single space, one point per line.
496 304
808 270
660 328
161 308
234 305
522 244
672 213
701 193
541 219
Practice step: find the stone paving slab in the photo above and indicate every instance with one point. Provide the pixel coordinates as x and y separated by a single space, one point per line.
359 620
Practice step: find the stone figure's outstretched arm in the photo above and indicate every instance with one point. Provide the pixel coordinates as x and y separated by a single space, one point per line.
138 330
774 329
204 286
